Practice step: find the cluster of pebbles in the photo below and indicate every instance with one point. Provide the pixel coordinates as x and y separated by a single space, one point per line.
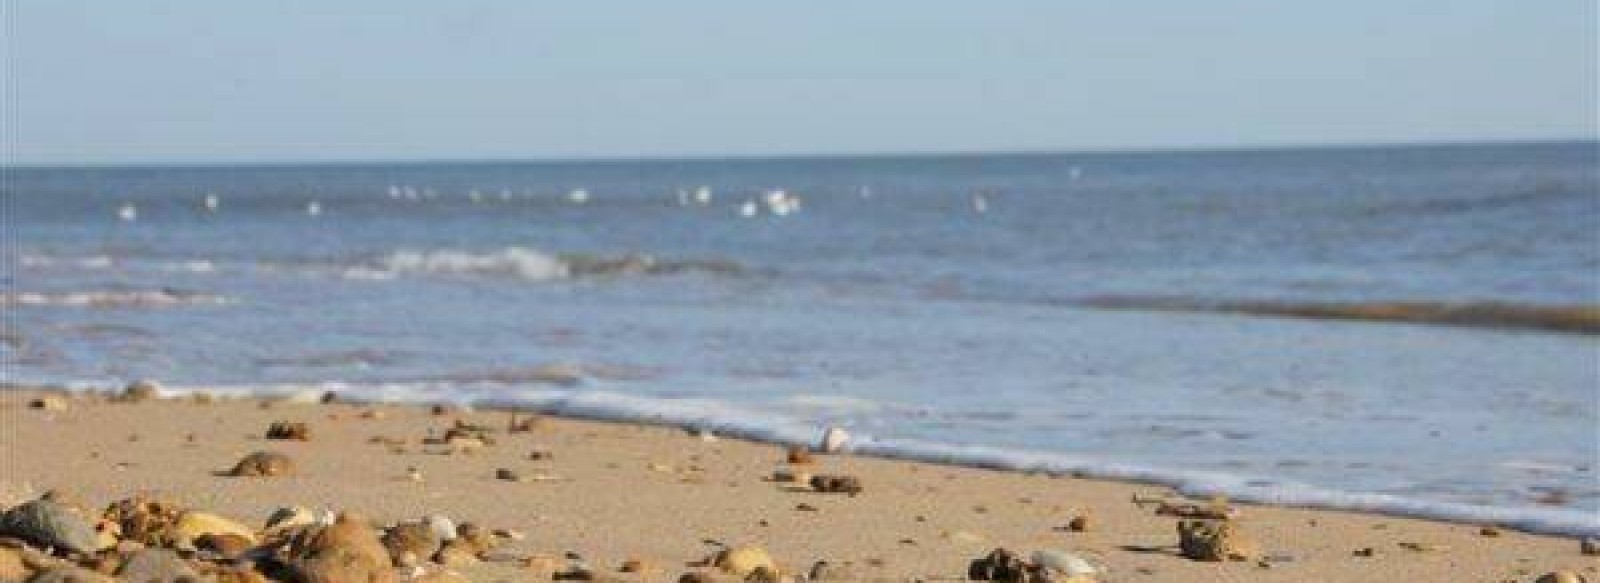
146 539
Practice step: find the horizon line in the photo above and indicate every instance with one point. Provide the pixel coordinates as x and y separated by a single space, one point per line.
781 156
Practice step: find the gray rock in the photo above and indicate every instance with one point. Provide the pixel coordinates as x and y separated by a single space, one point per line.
157 566
49 524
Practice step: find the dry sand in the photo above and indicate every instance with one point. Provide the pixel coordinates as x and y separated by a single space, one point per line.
659 494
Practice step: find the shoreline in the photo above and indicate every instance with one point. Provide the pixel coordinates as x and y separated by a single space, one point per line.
612 490
695 416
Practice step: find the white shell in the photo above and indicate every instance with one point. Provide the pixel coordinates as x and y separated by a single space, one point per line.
442 526
833 440
1063 562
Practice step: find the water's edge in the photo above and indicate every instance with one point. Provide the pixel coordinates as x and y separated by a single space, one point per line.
731 421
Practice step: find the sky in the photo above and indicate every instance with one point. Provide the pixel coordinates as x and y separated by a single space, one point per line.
130 81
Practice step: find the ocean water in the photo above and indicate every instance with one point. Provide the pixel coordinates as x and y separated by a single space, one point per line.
1089 313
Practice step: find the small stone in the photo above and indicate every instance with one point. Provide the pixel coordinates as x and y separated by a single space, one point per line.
833 440
1589 546
263 464
416 538
999 565
507 475
192 525
291 431
290 517
229 546
1364 552
799 455
826 571
140 391
763 575
1560 577
1078 524
741 561
49 403
697 577
157 566
836 484
639 566
803 507
347 551
1215 540
1489 531
50 524
1422 547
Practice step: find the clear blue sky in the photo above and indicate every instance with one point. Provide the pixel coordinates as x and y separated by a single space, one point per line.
134 81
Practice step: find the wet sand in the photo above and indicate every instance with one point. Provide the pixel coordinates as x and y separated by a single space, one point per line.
615 492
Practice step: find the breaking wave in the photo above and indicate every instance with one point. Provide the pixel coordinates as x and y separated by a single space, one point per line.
530 264
112 299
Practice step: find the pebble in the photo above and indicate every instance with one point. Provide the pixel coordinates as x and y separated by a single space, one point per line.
836 484
140 391
1560 577
742 561
50 524
1215 540
999 565
263 464
191 525
290 517
833 440
507 475
1489 531
1422 547
291 431
1078 524
346 551
826 571
416 538
229 546
49 403
799 455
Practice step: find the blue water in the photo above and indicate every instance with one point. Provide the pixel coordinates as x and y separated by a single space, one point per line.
930 304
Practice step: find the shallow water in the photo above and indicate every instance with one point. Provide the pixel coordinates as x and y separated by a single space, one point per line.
884 300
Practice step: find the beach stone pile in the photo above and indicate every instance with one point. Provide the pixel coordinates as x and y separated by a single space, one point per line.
147 539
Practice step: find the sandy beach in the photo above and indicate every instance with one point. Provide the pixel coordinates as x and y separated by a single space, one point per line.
606 493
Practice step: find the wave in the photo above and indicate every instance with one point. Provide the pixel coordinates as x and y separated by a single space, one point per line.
531 264
742 422
155 298
1575 319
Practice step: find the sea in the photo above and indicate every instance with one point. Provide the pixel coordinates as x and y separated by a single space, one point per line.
1398 329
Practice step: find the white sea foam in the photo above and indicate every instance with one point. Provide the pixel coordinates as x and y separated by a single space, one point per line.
94 262
749 423
111 299
512 261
